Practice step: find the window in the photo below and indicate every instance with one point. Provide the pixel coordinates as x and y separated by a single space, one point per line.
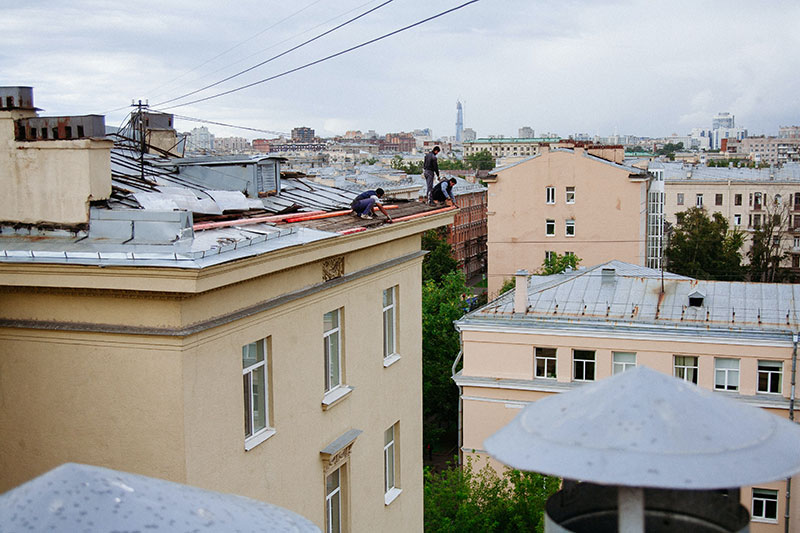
332 347
686 368
569 228
583 365
726 374
255 369
333 501
550 195
717 199
757 200
699 200
737 199
570 195
550 227
623 361
776 239
756 221
390 470
737 219
389 323
765 505
545 360
769 376
680 198
549 255
796 242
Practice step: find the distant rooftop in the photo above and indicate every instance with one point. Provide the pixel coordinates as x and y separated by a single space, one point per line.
484 140
678 171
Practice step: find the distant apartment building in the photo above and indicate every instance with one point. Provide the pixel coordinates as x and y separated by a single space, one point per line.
771 150
579 200
525 132
744 196
511 147
468 135
197 325
200 140
302 135
231 145
553 334
467 234
723 126
789 132
398 142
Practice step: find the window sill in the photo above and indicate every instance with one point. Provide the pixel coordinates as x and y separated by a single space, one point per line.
392 359
764 520
258 438
332 397
392 495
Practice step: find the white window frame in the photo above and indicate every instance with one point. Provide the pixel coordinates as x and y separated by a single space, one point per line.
550 195
737 219
770 375
330 494
585 365
680 371
254 436
698 200
390 354
391 489
328 337
620 366
548 255
569 196
758 507
679 199
569 225
796 242
726 374
547 359
550 227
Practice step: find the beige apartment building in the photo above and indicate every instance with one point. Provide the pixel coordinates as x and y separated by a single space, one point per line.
508 147
276 356
579 200
733 338
744 196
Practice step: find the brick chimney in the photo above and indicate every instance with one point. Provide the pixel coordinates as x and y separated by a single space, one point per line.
51 168
521 291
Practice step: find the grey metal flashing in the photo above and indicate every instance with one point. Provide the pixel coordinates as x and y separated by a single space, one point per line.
500 169
341 442
214 322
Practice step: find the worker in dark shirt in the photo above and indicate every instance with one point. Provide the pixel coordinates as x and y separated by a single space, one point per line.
430 167
363 203
444 191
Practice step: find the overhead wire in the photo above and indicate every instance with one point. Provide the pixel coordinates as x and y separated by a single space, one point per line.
326 58
236 46
259 130
292 49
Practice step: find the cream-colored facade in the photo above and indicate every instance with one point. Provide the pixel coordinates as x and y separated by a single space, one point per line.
565 200
585 326
127 355
745 197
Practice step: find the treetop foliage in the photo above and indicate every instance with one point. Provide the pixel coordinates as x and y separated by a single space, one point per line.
704 248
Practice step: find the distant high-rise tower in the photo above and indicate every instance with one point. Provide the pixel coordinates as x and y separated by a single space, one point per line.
723 120
459 121
525 132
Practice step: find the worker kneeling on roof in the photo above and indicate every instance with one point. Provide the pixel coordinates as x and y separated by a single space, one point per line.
364 202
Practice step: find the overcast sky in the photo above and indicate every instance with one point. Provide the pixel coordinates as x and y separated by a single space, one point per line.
564 66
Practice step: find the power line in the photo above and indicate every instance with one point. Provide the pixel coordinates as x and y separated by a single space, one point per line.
395 32
228 65
192 119
235 46
245 71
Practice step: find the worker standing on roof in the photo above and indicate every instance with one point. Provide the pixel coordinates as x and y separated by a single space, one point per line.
430 167
444 191
363 203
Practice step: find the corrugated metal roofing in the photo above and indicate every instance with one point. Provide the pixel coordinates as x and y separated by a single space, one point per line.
632 295
677 171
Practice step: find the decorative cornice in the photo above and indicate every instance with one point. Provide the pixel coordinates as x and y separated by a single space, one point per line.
227 318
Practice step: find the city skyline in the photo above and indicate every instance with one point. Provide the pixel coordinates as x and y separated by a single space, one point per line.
561 67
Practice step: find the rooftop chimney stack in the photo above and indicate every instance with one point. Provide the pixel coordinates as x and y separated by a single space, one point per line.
521 291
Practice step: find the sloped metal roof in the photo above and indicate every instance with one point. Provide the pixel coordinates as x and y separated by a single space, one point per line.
631 296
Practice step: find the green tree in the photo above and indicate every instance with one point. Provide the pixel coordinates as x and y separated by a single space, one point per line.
466 500
370 160
439 260
398 163
452 164
670 148
767 250
557 263
442 303
482 160
704 248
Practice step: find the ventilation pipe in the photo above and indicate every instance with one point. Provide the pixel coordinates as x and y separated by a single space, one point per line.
521 291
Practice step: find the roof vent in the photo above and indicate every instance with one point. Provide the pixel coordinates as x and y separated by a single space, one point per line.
689 175
696 299
609 273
